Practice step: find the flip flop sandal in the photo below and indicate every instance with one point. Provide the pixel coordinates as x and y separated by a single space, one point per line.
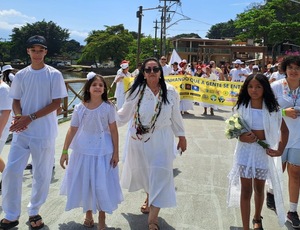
89 223
145 208
35 219
9 225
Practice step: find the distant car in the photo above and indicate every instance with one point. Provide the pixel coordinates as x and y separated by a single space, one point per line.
65 63
17 62
96 66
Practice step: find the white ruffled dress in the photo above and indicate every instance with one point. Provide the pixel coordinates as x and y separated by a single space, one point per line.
148 163
90 181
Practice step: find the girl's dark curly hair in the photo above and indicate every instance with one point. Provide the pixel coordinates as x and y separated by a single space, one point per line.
268 95
288 60
140 82
86 95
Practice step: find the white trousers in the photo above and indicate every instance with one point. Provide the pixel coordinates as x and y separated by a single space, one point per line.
42 154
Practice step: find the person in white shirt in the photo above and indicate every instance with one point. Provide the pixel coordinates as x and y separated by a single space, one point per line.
8 74
37 92
238 74
175 69
166 68
5 118
120 92
278 75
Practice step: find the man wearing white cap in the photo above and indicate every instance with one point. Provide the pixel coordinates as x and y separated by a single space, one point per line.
120 92
238 74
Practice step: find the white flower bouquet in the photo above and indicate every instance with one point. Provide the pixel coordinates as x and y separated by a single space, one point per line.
235 126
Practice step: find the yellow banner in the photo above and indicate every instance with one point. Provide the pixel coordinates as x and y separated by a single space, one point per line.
201 89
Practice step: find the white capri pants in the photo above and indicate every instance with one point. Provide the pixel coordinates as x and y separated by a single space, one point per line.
42 154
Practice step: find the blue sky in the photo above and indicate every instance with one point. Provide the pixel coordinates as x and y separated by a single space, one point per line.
81 17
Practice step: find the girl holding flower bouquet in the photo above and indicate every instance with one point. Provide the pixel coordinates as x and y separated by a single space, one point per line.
264 136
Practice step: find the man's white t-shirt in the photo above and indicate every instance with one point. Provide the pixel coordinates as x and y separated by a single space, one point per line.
36 89
235 75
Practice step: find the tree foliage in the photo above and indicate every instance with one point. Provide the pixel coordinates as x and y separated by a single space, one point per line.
112 43
274 22
54 35
191 35
147 50
223 30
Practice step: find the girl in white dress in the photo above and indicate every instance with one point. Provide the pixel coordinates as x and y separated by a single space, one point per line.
91 180
253 164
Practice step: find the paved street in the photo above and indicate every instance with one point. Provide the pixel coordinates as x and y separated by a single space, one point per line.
200 180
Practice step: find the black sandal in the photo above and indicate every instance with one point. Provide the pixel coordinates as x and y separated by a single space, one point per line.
35 219
257 222
6 226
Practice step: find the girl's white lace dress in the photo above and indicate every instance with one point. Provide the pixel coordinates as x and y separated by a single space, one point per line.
90 181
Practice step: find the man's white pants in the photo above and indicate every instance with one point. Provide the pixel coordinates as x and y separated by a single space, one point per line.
42 153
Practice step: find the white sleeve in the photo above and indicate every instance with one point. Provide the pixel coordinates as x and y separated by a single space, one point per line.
126 113
177 121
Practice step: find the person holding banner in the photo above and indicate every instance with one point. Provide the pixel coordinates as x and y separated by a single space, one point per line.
238 74
212 76
153 107
166 68
120 93
185 104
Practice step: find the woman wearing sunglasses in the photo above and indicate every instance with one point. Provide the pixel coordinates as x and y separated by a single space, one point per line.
153 107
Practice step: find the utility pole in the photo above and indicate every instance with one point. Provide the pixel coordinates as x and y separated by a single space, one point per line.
155 40
164 26
139 15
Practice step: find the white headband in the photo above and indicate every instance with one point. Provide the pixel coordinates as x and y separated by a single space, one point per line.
90 75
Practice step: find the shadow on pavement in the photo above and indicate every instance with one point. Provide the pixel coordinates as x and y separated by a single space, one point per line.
76 226
138 222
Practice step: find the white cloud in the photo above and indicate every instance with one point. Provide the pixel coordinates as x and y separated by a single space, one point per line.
10 19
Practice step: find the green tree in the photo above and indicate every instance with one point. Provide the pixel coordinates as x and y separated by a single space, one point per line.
191 35
223 30
147 50
5 48
271 23
54 35
112 43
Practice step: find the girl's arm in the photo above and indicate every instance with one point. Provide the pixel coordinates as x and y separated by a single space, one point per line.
4 115
69 137
115 140
282 142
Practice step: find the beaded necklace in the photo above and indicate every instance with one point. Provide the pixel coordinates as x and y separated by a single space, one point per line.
293 94
143 129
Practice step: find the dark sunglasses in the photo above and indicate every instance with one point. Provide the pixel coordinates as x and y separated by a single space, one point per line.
154 69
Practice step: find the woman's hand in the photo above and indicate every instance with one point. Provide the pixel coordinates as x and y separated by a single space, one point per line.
248 137
182 143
